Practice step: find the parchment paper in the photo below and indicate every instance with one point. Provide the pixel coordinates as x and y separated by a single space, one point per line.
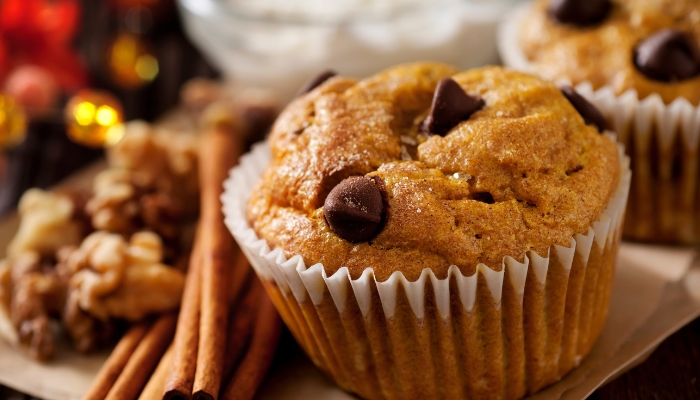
655 293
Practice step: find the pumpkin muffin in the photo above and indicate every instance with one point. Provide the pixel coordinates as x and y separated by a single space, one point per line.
460 227
650 46
639 62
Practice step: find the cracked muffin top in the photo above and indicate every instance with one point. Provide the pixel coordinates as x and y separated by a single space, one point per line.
651 46
359 179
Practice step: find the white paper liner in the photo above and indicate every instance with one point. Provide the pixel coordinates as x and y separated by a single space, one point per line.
666 204
292 275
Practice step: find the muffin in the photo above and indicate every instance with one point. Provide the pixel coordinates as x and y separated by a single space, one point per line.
428 233
638 61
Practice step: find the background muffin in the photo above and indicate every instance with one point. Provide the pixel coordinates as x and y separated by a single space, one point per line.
439 217
639 62
602 49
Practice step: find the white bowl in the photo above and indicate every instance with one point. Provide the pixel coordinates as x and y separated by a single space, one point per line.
278 44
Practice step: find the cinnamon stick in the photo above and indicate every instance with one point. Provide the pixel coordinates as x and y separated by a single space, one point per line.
240 276
219 151
115 363
156 384
252 370
144 359
241 325
179 382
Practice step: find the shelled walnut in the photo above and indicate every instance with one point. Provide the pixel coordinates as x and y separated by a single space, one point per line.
114 206
91 287
151 184
86 332
47 223
37 295
161 160
120 205
119 279
140 151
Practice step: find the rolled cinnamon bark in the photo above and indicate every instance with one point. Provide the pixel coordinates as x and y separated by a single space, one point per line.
115 363
241 274
219 151
144 359
251 372
241 325
156 385
180 380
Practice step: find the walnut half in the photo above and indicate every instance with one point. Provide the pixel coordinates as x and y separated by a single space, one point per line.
46 224
114 278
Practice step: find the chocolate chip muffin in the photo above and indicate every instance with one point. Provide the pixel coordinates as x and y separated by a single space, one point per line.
639 62
440 213
518 171
647 45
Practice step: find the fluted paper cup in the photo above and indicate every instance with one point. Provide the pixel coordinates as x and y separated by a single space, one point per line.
661 139
498 333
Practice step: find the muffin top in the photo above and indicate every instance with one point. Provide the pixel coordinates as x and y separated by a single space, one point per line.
358 178
618 43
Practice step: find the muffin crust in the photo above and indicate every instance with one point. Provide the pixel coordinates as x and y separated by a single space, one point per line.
603 54
523 173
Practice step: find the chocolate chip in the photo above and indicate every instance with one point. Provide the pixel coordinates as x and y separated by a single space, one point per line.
354 208
314 82
588 111
451 105
579 12
668 55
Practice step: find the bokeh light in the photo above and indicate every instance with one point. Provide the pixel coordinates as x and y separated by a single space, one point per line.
13 122
130 61
94 118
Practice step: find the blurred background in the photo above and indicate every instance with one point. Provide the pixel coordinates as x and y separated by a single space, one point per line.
133 51
71 71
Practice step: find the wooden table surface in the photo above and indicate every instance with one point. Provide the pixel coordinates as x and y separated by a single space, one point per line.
672 372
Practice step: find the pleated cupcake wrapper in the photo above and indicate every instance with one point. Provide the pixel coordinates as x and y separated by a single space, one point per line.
356 330
664 139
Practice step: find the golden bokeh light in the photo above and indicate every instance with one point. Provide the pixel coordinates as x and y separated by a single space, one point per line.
130 61
147 67
94 118
84 113
13 122
106 116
